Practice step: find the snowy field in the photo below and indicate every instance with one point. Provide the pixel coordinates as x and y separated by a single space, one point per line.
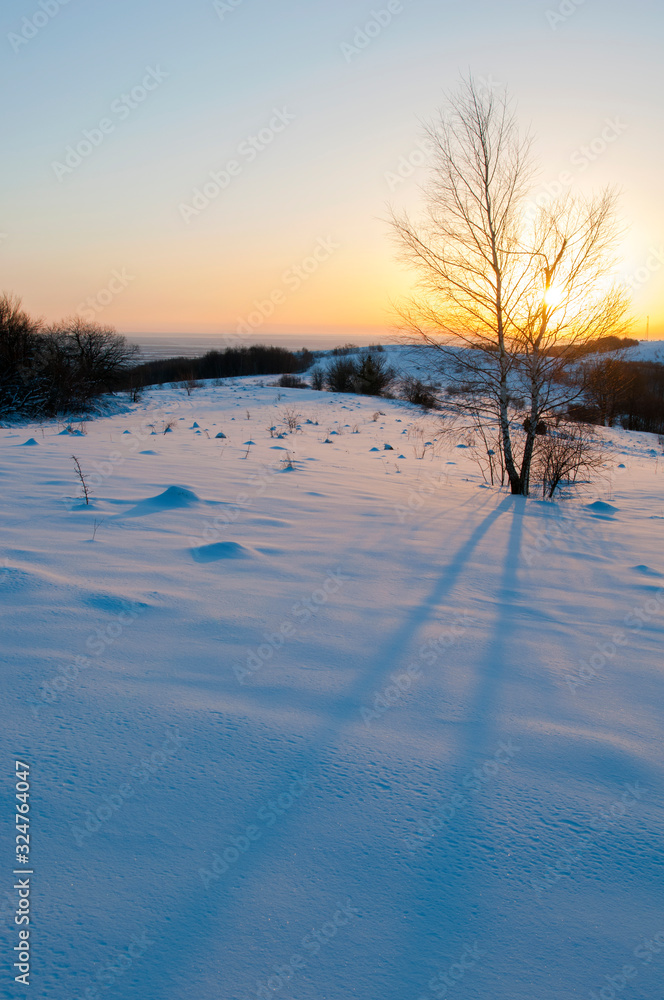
360 728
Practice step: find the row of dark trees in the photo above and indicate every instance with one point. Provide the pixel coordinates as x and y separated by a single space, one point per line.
605 386
45 370
234 362
616 390
62 368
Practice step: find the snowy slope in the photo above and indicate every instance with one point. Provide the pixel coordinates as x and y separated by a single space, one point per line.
363 728
646 350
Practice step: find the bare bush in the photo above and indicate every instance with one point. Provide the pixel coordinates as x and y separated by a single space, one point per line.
563 455
190 384
340 375
292 382
291 418
413 390
318 379
83 481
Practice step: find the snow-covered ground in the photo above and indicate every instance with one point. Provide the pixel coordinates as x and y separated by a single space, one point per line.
363 728
646 350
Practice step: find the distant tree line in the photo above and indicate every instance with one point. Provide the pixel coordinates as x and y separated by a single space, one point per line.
234 362
598 345
618 391
61 368
608 388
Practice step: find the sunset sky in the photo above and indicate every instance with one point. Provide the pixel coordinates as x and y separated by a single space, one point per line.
306 129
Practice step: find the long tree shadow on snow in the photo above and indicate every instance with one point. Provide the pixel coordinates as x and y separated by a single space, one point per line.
455 877
169 965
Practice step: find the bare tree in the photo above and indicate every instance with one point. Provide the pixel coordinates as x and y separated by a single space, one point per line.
22 388
97 356
508 300
606 380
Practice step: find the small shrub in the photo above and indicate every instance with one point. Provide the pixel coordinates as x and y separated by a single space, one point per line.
373 376
318 379
340 375
190 384
346 349
460 389
563 454
291 418
413 390
83 481
292 382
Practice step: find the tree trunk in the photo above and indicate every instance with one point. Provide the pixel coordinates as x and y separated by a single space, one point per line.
510 466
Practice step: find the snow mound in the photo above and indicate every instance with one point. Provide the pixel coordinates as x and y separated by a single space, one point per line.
28 443
112 604
601 508
174 496
221 550
646 570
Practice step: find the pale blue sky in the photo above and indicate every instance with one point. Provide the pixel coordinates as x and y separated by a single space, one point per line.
322 176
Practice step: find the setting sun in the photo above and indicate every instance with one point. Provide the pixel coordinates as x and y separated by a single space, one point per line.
554 296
